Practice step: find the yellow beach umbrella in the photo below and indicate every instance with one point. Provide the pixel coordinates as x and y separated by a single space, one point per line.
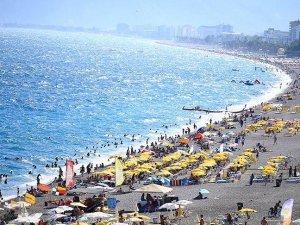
172 168
244 210
164 173
143 217
268 172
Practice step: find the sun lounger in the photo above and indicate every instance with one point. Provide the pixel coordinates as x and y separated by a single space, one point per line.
293 180
224 181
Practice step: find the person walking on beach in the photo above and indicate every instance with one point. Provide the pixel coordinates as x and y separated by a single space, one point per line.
275 139
295 171
201 222
18 191
243 142
251 178
290 171
264 221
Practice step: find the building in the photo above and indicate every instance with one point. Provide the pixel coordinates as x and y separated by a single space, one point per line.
294 30
154 32
166 32
187 31
276 36
205 31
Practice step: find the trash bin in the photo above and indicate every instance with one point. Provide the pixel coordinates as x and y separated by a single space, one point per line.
155 220
240 205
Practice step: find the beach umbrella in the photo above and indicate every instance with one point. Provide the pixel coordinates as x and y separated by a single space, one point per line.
164 180
296 221
154 188
203 191
55 216
198 136
98 215
33 218
184 141
183 152
61 209
169 206
78 204
43 187
164 173
245 210
183 202
152 178
16 205
133 219
206 134
143 217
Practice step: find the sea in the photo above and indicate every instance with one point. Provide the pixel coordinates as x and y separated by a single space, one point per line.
65 94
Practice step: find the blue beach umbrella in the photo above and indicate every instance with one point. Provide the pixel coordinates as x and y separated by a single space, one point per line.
201 130
164 180
203 191
152 178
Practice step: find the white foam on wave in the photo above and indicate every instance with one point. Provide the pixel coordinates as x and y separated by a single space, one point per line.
150 121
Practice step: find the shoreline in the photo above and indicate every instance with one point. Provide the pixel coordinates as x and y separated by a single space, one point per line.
174 131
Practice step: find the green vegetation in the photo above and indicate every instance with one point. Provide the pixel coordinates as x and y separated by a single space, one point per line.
293 49
253 44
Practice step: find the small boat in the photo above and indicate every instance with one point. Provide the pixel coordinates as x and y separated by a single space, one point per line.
248 83
235 70
197 108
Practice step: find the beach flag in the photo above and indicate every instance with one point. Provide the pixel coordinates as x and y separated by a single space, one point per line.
191 149
69 173
286 212
29 198
221 147
119 173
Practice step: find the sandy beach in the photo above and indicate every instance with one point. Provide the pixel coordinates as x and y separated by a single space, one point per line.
223 197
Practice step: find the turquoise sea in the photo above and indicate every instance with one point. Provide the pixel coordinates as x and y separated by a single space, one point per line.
65 93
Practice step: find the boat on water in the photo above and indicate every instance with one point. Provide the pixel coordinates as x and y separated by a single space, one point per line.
197 108
247 82
235 70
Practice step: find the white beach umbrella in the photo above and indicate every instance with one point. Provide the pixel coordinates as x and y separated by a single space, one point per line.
296 221
78 204
19 204
184 202
34 218
62 209
133 219
169 206
154 188
98 215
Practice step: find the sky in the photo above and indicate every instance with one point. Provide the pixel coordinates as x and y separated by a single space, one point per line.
246 16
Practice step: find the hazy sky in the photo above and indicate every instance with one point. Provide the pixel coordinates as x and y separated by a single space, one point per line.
247 16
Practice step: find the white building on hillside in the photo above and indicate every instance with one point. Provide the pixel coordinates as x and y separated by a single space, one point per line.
276 36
